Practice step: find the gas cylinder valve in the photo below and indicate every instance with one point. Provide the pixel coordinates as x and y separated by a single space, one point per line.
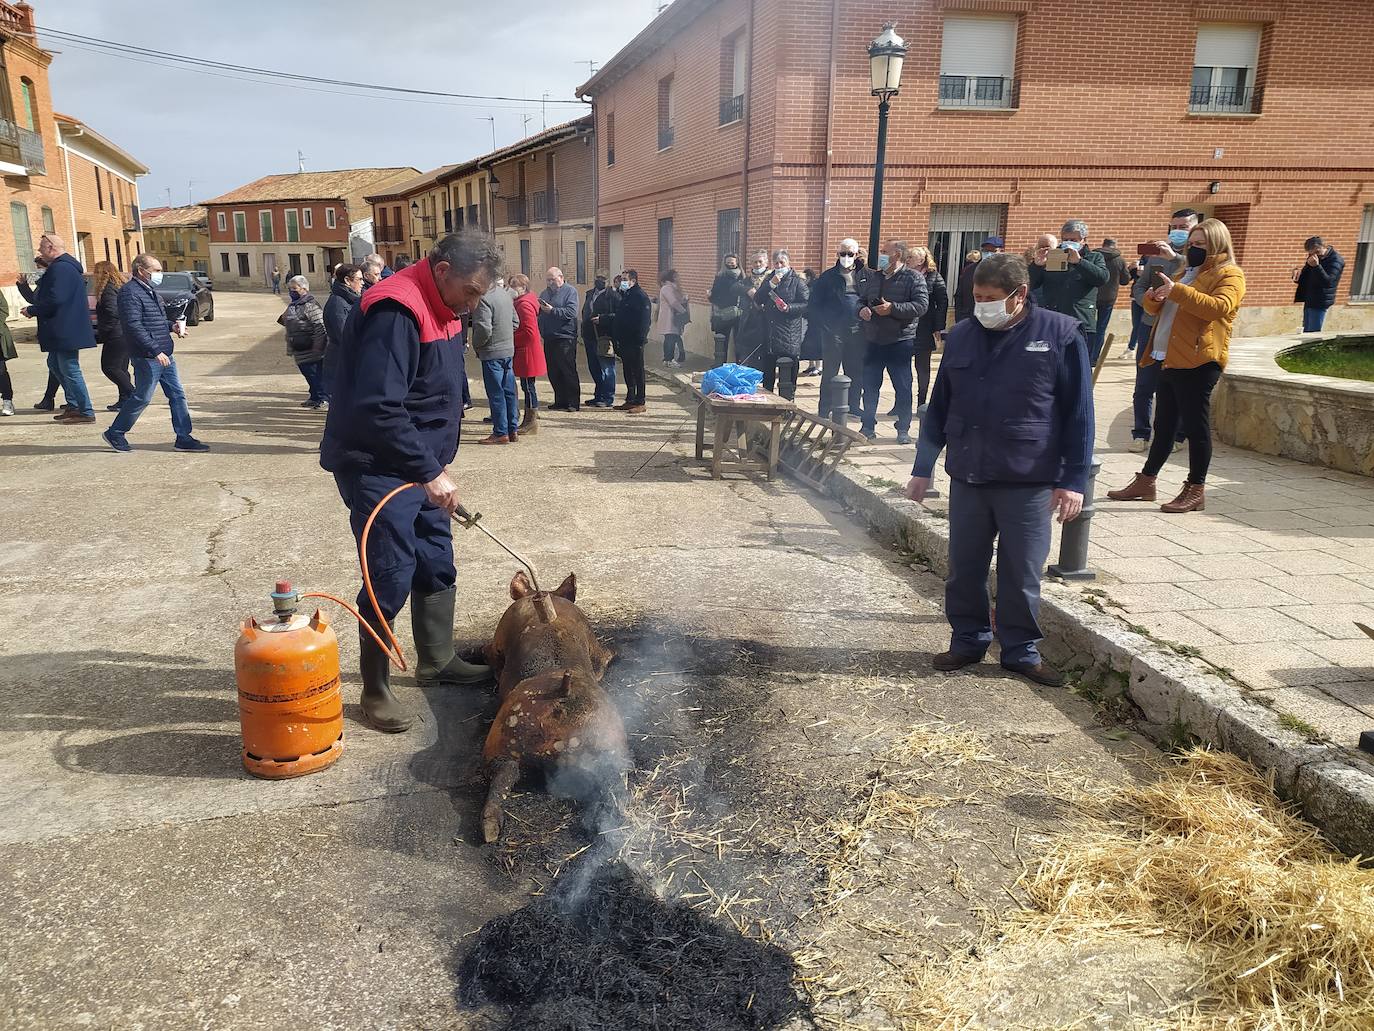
285 601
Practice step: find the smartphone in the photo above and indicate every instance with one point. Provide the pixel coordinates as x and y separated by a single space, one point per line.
1156 277
1148 250
1056 261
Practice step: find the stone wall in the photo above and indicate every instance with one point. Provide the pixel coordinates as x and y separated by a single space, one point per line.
1320 420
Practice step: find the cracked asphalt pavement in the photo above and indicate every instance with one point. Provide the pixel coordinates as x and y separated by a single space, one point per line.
146 881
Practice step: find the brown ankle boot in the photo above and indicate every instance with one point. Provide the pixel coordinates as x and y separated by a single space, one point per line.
1191 499
1142 488
530 424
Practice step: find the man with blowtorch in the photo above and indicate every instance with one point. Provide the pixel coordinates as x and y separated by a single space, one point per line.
394 419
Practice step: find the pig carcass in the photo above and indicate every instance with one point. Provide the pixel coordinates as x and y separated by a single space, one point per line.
554 714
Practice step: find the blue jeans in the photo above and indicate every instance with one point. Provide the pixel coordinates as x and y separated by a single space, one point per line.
530 386
896 360
1139 331
1018 519
1313 319
1099 340
66 366
1143 399
148 373
314 379
499 378
602 372
410 547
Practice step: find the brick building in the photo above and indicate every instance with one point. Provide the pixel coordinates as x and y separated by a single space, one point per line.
34 184
179 237
302 223
734 124
102 183
535 196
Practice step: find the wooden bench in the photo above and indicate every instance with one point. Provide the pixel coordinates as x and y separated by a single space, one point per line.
731 451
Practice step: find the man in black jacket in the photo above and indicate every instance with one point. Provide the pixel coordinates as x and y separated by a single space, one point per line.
963 292
892 307
602 397
633 315
835 302
1317 281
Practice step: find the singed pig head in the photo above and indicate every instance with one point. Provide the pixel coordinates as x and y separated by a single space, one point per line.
520 587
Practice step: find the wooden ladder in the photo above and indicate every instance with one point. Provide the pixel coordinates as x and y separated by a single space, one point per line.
810 447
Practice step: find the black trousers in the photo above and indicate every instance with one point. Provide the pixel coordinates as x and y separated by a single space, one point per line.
1184 400
6 386
780 374
923 374
561 356
632 358
114 363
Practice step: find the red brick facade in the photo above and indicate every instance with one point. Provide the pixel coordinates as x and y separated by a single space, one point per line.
318 233
1092 135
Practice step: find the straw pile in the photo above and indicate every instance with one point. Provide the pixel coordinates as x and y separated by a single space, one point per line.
1283 926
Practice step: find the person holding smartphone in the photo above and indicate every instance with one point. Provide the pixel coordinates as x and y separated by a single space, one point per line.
1069 278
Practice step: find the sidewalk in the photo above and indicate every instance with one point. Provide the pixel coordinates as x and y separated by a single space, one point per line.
1266 584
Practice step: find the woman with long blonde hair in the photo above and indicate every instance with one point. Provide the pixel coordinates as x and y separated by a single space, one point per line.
931 324
114 355
1191 340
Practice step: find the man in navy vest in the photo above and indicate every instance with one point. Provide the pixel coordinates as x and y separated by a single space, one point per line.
394 418
1012 406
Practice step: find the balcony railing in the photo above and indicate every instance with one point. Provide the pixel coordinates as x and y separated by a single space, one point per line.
1231 100
474 217
731 109
986 91
383 233
133 219
545 205
517 212
665 137
425 225
448 220
22 147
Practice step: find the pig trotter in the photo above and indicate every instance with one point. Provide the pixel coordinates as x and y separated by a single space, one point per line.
503 777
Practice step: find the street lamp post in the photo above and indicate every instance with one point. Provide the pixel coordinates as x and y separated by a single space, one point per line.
885 57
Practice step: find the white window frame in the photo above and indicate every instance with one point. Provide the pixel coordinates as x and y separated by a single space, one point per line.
307 218
1362 272
267 232
286 217
221 223
1226 56
331 221
988 71
237 216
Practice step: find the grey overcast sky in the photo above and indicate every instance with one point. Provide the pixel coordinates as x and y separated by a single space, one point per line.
216 133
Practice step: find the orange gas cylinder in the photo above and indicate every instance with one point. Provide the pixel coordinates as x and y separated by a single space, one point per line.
290 706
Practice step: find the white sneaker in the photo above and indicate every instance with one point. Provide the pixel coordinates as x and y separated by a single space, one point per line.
1178 444
1138 446
6 407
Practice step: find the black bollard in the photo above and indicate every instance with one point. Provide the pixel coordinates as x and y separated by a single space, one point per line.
787 378
839 399
1073 542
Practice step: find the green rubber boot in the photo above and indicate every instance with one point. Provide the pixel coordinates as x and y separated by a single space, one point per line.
431 621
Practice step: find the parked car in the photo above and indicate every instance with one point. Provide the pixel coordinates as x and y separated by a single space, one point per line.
203 278
183 290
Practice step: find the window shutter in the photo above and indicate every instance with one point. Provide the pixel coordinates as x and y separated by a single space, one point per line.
978 46
740 55
1367 229
1227 46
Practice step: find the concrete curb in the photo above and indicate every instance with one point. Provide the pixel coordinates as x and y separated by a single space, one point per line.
1177 700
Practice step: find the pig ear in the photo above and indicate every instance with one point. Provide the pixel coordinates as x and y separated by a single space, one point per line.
568 588
520 586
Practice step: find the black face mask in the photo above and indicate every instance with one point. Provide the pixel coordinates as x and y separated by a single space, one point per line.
1196 256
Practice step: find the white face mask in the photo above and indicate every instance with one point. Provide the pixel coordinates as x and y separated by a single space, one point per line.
993 314
155 278
847 261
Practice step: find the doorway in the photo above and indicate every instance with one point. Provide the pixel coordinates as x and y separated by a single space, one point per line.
956 229
269 268
615 247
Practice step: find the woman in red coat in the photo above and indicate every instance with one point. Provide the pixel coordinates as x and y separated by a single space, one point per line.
529 349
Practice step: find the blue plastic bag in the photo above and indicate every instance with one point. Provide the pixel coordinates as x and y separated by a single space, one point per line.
731 380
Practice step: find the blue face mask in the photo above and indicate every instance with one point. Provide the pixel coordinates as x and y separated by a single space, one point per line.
1072 245
1178 238
883 262
624 285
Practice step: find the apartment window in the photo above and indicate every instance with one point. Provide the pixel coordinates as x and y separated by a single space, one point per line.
732 73
48 225
23 236
978 61
244 270
219 224
330 222
99 193
610 137
107 248
265 226
665 245
29 104
119 257
308 215
224 261
1362 281
666 110
1224 69
293 227
310 263
293 262
240 227
581 247
727 234
525 257
191 243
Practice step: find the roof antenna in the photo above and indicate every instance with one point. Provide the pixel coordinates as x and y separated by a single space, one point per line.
300 161
591 67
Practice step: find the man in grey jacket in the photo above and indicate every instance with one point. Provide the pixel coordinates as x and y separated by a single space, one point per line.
493 341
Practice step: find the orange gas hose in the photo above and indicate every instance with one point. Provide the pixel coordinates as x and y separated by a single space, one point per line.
393 651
